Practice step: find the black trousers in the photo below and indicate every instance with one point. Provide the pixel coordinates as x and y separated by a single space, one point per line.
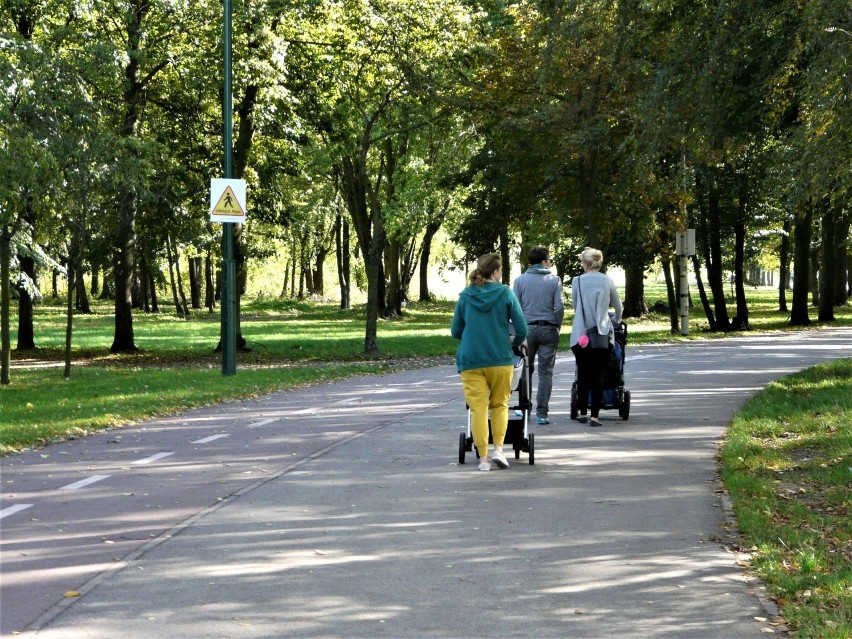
591 368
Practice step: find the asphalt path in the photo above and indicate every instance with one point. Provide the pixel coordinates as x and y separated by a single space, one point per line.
340 510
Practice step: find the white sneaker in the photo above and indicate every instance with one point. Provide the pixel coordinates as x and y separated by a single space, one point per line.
497 458
485 465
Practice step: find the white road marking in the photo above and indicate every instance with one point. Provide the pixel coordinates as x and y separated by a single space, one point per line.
263 422
84 482
150 459
11 510
304 411
207 440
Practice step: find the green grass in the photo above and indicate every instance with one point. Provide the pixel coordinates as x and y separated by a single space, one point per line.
787 464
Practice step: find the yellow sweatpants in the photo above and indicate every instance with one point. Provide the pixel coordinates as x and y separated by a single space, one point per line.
487 389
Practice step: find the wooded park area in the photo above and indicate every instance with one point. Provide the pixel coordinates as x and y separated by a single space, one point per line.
366 128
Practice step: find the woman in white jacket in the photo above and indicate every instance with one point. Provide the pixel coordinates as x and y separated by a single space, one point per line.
593 293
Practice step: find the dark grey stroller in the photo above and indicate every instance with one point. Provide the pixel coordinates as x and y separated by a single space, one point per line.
517 434
615 396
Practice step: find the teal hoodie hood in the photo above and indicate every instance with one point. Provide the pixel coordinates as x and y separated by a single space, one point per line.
481 323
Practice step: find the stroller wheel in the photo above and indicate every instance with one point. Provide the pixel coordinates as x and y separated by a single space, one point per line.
532 449
624 409
574 401
461 447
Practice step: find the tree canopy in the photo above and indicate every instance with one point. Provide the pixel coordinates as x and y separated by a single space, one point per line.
506 123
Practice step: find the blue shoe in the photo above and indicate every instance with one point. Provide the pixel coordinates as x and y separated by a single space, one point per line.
541 421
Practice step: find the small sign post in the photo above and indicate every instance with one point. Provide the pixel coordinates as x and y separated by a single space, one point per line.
684 248
220 207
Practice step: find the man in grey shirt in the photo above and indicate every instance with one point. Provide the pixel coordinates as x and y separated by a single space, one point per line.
540 294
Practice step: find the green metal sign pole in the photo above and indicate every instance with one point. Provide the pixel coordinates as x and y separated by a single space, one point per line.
229 283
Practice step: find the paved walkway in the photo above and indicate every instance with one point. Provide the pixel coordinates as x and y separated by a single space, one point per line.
363 524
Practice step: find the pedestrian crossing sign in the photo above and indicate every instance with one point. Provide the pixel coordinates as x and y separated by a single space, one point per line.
227 200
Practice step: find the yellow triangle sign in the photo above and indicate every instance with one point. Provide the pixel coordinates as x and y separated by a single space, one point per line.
228 204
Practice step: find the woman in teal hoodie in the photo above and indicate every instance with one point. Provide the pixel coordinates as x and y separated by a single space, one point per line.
484 357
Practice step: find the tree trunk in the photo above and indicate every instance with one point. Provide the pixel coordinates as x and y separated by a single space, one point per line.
125 243
827 272
81 302
815 274
209 285
26 334
393 300
784 271
302 261
343 255
425 254
702 293
95 287
5 270
74 268
801 266
170 256
713 258
670 293
319 270
123 340
587 178
635 304
365 211
741 320
841 250
195 281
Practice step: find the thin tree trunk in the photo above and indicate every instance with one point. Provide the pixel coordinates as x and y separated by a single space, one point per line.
170 256
73 269
815 275
342 253
670 292
702 293
209 285
394 302
784 271
179 277
5 269
741 320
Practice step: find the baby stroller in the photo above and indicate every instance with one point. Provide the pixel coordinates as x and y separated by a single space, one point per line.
517 434
615 396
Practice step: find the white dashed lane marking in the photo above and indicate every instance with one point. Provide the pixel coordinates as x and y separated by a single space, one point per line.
84 482
207 440
150 459
11 510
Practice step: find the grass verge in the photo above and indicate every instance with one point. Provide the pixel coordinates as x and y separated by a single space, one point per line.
787 464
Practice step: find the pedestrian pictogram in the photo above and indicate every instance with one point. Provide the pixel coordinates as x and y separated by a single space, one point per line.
227 200
227 204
